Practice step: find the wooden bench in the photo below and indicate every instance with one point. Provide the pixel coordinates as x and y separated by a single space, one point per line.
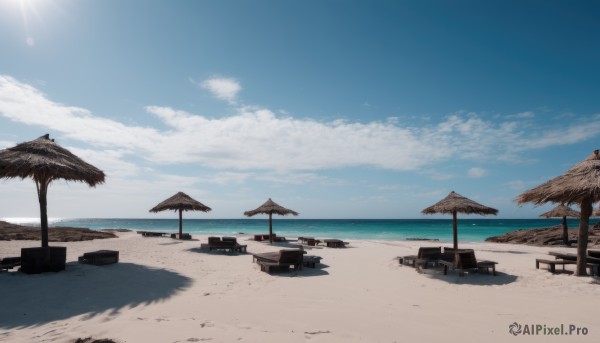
487 265
184 236
466 260
284 259
100 257
152 233
311 260
409 260
334 243
552 264
10 262
226 243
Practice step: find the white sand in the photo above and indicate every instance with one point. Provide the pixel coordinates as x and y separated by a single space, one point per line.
164 290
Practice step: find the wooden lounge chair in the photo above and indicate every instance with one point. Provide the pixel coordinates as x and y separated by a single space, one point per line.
465 260
312 242
311 260
592 261
184 236
423 253
553 263
282 260
335 243
227 243
304 239
152 233
428 257
563 256
236 246
10 262
594 253
100 257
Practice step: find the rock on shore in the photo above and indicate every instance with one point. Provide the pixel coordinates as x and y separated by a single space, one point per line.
545 236
10 231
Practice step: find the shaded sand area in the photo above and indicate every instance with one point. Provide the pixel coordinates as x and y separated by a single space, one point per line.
164 290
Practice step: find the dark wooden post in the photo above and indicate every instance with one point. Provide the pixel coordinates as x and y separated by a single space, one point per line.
565 231
582 236
42 188
455 229
180 223
270 228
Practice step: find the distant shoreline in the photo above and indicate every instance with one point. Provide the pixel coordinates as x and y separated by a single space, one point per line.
11 232
547 236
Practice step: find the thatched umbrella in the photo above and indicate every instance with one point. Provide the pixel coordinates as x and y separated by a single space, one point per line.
180 202
269 208
578 185
45 161
562 211
455 203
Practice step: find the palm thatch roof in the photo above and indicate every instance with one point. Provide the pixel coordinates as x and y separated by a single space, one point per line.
270 207
42 158
581 185
579 182
562 211
45 161
180 201
455 202
559 212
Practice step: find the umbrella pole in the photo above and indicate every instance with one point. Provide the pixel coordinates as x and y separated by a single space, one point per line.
455 229
271 228
180 224
582 236
565 231
42 188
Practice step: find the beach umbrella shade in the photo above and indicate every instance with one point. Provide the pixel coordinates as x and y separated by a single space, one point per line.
562 211
578 185
180 202
455 203
270 208
45 161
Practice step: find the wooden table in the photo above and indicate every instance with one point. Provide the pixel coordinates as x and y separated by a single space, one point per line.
311 260
334 243
552 264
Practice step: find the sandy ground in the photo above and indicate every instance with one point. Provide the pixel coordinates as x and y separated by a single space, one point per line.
164 290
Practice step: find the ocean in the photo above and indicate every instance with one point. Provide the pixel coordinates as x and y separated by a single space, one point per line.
469 230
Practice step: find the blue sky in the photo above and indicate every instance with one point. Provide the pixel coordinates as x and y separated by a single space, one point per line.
336 109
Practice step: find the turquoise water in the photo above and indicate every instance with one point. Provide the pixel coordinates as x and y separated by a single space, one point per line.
469 230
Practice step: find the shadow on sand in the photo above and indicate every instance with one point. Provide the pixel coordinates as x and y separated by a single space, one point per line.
31 300
206 250
479 278
319 270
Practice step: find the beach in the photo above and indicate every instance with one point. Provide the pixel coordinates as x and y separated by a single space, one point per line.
166 290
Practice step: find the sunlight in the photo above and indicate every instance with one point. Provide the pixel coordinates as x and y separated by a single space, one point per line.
26 9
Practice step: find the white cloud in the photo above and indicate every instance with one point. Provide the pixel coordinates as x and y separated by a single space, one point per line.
223 88
522 115
477 172
224 178
112 161
563 136
257 139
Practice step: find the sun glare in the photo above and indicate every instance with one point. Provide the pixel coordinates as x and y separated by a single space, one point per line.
26 9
